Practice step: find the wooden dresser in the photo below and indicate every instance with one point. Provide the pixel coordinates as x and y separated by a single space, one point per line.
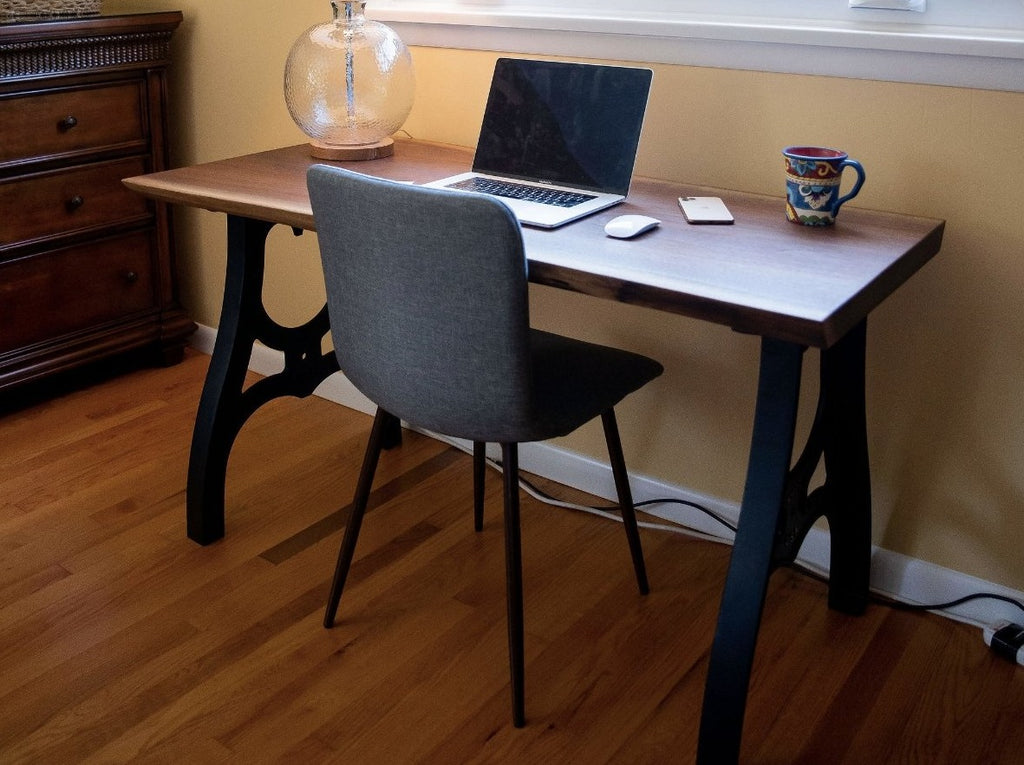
86 266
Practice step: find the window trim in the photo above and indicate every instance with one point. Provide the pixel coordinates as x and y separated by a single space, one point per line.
900 51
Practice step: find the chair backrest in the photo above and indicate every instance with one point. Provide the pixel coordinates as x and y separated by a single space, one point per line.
428 299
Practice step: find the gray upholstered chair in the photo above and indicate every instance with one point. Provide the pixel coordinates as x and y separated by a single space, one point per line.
427 295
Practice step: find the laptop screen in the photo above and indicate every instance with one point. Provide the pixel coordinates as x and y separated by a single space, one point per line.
568 124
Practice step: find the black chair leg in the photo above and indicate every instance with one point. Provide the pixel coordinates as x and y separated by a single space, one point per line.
618 463
514 581
479 471
355 521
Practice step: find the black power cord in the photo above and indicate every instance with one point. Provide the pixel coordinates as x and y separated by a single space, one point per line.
874 597
883 600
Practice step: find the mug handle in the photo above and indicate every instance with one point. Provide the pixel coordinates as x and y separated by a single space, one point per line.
856 187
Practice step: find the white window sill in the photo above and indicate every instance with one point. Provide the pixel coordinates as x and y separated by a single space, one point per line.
902 52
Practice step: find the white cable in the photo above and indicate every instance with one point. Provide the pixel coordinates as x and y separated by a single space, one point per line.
690 532
608 515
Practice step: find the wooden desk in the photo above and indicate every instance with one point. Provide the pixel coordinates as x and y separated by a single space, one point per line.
795 287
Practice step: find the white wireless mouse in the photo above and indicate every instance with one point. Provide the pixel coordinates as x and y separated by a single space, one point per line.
628 226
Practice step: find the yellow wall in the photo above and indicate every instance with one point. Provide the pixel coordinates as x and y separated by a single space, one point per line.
946 411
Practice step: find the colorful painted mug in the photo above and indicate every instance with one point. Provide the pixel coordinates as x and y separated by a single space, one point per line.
813 174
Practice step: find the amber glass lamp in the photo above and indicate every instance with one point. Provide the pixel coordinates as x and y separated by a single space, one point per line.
349 85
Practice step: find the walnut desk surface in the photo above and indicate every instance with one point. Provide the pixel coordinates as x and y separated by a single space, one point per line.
794 286
762 275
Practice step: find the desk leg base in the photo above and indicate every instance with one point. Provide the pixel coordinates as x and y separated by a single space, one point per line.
848 473
739 618
224 406
777 513
839 435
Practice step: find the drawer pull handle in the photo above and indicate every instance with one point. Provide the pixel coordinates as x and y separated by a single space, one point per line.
131 277
75 202
67 123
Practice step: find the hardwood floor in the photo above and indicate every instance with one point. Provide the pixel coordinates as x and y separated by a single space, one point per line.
121 640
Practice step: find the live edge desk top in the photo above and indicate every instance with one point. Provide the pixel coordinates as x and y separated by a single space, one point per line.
795 286
763 275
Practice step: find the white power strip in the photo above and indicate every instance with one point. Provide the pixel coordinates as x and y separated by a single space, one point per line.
1006 639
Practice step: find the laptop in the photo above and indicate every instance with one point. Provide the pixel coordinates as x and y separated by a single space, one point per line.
558 140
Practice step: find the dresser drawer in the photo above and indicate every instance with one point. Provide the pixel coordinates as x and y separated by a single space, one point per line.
53 123
65 201
65 290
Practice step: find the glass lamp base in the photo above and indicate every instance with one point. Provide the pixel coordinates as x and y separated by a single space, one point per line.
364 151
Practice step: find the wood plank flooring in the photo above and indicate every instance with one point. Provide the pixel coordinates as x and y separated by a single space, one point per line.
122 641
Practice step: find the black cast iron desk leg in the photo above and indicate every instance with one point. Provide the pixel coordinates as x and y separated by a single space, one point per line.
777 512
224 406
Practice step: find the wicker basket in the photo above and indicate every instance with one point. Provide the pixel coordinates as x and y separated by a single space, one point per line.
48 8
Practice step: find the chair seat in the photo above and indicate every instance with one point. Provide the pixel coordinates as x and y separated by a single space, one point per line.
575 381
571 383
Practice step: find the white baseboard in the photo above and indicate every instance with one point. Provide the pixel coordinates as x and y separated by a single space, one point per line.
203 339
893 574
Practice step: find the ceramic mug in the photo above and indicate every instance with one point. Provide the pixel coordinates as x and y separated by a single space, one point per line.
813 174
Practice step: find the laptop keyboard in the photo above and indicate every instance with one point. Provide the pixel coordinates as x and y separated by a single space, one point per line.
512 190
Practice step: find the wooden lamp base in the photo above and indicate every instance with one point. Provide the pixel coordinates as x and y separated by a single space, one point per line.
377 150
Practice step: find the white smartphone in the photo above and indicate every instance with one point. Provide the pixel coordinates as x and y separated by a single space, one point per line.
705 210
